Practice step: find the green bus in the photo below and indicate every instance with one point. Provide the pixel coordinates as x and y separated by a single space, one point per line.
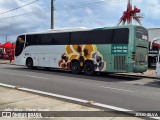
108 49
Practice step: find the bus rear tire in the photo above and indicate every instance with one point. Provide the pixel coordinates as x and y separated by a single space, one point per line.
89 68
47 68
75 68
29 63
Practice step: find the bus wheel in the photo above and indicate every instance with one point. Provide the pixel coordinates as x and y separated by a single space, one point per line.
89 68
47 68
29 63
75 67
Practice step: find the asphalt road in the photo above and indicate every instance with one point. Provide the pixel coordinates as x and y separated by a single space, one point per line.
139 94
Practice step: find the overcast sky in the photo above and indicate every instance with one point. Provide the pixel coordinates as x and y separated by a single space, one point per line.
69 14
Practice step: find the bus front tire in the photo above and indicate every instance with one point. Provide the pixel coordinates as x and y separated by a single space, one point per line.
89 68
75 68
29 63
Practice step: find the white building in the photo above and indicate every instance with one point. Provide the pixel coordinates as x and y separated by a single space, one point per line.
153 33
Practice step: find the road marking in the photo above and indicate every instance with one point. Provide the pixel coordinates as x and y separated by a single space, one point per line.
75 99
116 89
5 85
68 98
37 77
25 75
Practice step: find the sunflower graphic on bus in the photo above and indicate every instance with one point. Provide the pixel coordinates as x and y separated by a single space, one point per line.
82 53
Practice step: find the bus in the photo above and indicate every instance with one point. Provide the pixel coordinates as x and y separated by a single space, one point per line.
109 49
158 64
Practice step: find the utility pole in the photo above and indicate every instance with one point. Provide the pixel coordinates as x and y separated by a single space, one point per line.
6 38
52 14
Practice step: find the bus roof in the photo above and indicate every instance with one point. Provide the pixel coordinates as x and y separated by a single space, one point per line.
60 30
77 29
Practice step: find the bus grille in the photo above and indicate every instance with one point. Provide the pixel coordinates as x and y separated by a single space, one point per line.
119 63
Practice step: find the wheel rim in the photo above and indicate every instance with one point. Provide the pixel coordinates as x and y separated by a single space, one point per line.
89 68
29 64
75 68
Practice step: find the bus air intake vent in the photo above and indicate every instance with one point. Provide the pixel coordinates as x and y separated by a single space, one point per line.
119 63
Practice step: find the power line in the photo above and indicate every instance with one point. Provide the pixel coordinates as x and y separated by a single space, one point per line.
88 4
18 7
73 7
84 2
91 2
19 15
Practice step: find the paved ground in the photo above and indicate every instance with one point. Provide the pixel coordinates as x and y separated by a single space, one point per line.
151 72
6 62
135 93
14 99
125 92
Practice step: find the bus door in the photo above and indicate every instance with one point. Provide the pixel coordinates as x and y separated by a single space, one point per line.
158 64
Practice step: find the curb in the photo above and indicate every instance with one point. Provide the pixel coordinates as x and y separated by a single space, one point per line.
7 63
139 76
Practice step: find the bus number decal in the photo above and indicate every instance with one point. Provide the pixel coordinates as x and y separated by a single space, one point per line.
119 49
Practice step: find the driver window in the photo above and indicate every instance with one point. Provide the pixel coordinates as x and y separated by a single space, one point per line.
20 40
19 45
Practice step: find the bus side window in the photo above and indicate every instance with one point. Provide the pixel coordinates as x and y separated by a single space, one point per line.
28 40
60 38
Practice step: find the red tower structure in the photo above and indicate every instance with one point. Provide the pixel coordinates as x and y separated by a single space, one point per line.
130 14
